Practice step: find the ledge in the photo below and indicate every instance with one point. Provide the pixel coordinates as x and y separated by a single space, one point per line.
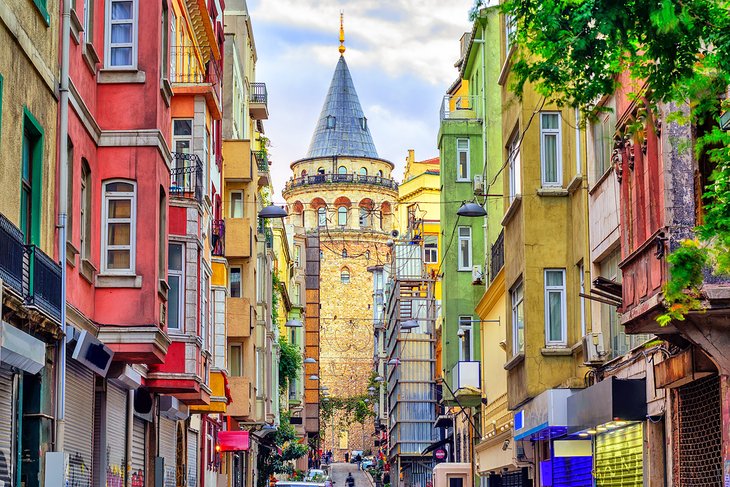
556 351
575 183
600 180
166 90
116 76
76 27
511 210
71 253
552 192
90 56
514 361
107 280
162 289
87 270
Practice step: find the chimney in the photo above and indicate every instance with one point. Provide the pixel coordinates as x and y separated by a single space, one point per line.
411 156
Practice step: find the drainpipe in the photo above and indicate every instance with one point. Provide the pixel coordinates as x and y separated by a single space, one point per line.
62 212
485 225
587 264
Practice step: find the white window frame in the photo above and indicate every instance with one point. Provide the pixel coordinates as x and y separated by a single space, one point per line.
465 266
516 302
429 252
173 45
563 311
88 19
85 211
513 161
181 287
240 283
364 217
231 214
188 138
510 29
582 283
466 151
544 134
342 275
105 221
339 214
321 216
108 33
466 323
205 324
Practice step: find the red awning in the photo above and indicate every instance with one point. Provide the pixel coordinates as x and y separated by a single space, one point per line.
233 440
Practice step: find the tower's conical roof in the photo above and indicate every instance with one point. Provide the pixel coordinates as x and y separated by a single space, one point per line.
342 128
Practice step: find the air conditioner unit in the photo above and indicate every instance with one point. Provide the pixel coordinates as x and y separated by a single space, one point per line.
478 184
593 349
476 275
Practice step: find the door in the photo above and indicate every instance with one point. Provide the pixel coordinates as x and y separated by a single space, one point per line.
619 457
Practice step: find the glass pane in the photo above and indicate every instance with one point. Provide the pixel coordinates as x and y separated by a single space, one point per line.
550 121
553 278
175 258
462 165
182 127
234 360
184 147
236 205
121 33
550 155
464 253
342 216
322 217
462 144
121 56
342 170
119 187
118 234
120 209
117 259
121 10
464 231
555 316
235 283
173 302
363 171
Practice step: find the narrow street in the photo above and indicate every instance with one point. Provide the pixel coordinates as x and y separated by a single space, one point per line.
339 472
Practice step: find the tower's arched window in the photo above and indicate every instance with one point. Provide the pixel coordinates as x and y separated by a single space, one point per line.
363 171
344 253
367 254
342 170
322 217
304 172
320 170
330 122
380 173
342 216
364 123
345 275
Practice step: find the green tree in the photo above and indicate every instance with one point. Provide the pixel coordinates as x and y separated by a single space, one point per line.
290 363
276 457
677 53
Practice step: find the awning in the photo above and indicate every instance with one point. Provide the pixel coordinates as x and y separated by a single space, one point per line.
233 441
438 444
546 413
444 421
21 350
607 401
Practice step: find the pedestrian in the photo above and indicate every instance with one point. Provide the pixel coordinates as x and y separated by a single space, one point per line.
347 457
350 480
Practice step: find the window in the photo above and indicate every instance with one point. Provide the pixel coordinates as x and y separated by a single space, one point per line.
513 160
235 285
342 216
236 204
320 170
510 29
174 54
31 185
298 255
165 52
330 122
345 276
298 294
161 233
70 192
551 150
176 282
235 360
555 307
85 217
118 227
602 130
430 249
462 159
465 248
363 171
364 123
121 32
582 284
205 329
466 350
88 21
182 135
380 173
342 170
518 319
322 217
344 253
364 218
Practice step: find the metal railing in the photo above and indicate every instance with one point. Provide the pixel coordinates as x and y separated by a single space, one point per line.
269 238
218 240
262 159
331 178
28 271
258 93
186 176
462 107
186 66
497 261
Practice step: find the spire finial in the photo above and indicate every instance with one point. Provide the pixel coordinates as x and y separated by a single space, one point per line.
342 34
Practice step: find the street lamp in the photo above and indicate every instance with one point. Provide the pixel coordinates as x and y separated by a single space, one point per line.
293 323
273 211
471 210
310 360
408 324
394 361
313 377
379 379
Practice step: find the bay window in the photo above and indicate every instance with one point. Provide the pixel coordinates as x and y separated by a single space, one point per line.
121 34
555 308
119 215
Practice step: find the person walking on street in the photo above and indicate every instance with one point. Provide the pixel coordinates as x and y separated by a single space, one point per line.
350 480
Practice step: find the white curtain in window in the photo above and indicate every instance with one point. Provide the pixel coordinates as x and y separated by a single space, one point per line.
122 32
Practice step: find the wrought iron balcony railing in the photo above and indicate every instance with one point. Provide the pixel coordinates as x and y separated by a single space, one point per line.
331 178
186 177
497 261
28 271
258 93
186 66
462 107
262 160
218 240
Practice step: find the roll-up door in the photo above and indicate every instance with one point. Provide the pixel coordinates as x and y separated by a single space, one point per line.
139 442
116 432
168 444
572 471
192 458
7 399
79 439
619 457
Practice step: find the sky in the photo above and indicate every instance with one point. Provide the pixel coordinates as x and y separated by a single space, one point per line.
401 55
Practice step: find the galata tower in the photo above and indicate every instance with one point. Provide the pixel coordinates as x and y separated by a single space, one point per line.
344 192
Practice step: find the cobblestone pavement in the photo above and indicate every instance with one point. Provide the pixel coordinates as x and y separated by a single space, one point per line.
339 473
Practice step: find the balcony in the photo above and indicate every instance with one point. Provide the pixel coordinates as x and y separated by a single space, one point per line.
218 240
239 318
29 272
332 178
459 108
186 177
259 102
219 396
262 165
237 160
467 377
241 391
497 261
240 237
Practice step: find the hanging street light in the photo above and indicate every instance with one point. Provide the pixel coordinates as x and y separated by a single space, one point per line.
471 210
273 211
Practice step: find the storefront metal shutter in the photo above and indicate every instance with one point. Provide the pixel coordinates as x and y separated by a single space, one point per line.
79 439
168 443
572 472
192 458
116 434
619 457
7 399
139 443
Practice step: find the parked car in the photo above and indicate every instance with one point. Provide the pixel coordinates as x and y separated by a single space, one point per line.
367 463
355 456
